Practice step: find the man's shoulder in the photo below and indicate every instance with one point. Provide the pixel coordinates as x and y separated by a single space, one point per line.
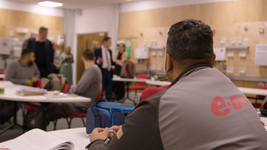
48 41
98 49
16 62
31 40
94 67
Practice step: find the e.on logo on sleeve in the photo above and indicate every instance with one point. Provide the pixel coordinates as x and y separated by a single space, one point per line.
218 105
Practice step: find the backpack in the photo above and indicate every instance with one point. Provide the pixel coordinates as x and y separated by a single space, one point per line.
106 114
263 108
127 70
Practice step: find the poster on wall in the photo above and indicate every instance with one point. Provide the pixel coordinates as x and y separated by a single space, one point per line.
128 47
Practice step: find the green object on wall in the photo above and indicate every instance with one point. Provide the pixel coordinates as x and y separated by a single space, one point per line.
128 47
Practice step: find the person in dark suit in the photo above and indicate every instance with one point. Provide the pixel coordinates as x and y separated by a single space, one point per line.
104 61
44 53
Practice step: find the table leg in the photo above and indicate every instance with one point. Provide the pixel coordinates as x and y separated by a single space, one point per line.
15 114
127 95
14 120
43 109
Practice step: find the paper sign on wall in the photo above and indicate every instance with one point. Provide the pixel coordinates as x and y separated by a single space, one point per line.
153 53
242 54
230 54
220 53
230 70
160 53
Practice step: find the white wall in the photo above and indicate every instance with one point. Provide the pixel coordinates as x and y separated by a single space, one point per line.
94 20
144 5
32 8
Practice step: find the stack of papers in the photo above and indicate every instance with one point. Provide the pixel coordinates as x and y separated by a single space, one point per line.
31 92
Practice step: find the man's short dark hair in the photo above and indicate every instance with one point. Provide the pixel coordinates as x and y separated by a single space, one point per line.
88 54
25 52
42 29
190 40
105 39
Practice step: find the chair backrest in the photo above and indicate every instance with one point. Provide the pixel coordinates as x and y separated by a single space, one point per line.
99 95
166 86
150 91
38 84
142 76
1 72
66 88
263 88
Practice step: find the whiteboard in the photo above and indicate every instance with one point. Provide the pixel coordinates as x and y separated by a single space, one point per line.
261 55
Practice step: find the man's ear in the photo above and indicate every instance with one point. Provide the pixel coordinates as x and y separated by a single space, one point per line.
94 58
82 59
214 56
169 63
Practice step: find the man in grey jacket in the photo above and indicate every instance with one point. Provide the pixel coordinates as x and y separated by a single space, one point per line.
89 86
202 109
23 72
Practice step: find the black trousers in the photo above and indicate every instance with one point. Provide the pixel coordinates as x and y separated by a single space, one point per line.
118 89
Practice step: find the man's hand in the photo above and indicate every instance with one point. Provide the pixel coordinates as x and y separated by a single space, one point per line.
28 82
100 60
99 133
116 128
34 80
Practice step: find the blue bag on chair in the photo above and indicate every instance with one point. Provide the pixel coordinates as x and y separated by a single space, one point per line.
106 114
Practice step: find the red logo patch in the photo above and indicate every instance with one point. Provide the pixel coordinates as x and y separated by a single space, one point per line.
218 105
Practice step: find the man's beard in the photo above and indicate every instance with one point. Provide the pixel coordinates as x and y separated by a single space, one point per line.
30 63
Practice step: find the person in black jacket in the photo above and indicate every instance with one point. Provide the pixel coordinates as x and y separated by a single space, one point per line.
44 53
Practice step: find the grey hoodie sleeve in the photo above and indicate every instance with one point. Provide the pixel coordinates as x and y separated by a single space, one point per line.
97 145
140 131
10 74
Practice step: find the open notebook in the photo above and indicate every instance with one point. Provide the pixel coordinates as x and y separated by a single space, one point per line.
37 139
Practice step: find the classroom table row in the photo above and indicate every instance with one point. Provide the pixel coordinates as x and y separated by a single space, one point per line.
10 95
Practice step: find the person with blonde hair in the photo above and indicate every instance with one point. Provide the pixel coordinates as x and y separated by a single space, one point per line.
66 61
119 58
95 45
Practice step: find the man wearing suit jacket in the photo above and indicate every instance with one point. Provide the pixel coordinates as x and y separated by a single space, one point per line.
44 53
104 61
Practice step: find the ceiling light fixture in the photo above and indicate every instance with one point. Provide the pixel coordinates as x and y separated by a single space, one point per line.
50 4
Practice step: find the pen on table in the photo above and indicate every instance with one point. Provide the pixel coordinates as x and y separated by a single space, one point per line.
110 131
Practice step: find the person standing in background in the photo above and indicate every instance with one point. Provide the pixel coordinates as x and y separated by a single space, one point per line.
34 34
44 53
66 61
57 59
95 45
104 61
118 59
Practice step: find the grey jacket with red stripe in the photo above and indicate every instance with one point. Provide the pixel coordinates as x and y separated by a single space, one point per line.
201 110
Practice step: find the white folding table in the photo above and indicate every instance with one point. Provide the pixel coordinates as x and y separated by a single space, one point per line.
2 76
158 83
10 95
